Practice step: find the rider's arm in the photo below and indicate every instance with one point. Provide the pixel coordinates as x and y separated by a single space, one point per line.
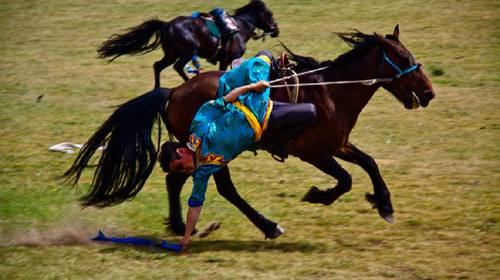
192 218
232 96
195 202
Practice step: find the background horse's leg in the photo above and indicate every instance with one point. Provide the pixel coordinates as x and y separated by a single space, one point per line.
179 66
325 162
223 65
175 181
161 64
226 188
382 197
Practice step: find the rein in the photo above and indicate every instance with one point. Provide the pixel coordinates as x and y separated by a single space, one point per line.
263 36
299 74
245 22
366 82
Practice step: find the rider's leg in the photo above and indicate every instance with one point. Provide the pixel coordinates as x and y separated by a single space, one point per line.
218 14
285 122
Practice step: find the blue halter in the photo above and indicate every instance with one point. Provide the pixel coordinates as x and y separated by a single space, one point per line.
397 69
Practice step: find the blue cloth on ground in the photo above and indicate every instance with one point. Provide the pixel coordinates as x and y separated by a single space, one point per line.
163 244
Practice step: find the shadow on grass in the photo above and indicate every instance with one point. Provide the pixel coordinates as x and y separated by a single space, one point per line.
199 246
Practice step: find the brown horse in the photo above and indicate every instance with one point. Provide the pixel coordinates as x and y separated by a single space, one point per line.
183 37
130 154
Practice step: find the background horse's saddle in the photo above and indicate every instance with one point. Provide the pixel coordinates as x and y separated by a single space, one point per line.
211 24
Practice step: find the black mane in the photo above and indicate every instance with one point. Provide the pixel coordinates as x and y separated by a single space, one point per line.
360 43
254 5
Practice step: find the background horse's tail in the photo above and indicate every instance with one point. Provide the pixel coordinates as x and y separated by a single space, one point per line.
135 41
129 154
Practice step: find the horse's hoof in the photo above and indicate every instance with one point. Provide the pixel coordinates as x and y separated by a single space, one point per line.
276 233
174 227
177 228
387 216
384 207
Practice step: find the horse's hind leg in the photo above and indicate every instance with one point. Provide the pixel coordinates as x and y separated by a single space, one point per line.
323 161
223 66
160 65
175 181
226 188
381 199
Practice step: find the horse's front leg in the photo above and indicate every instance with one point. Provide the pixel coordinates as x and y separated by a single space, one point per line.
381 199
174 182
226 188
322 160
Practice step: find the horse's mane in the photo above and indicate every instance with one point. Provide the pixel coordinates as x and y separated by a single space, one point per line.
360 43
254 5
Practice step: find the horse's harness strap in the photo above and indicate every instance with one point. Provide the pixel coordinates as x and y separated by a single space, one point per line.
396 68
293 93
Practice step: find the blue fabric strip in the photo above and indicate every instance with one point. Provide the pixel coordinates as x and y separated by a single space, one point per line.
162 244
398 70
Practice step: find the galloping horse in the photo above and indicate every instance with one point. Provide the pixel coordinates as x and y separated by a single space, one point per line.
183 37
130 154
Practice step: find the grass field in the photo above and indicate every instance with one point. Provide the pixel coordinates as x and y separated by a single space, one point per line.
442 163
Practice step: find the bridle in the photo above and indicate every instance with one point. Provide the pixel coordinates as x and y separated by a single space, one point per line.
396 68
252 26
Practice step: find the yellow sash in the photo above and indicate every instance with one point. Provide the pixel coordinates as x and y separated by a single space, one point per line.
265 58
252 120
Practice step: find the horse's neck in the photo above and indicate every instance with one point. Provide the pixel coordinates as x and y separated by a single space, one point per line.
350 99
246 25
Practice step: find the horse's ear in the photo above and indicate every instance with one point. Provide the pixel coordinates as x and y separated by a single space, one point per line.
395 33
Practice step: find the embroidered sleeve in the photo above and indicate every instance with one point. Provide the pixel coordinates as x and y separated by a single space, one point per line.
200 183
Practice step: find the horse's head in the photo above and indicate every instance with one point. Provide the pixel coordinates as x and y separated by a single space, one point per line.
410 85
261 16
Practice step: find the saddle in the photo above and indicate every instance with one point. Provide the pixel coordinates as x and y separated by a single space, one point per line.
212 26
222 31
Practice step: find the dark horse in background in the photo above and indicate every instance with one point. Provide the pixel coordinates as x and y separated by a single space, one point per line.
130 154
184 36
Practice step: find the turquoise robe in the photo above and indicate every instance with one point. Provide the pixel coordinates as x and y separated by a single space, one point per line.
220 131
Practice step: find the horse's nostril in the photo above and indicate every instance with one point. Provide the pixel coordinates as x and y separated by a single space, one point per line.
429 94
427 97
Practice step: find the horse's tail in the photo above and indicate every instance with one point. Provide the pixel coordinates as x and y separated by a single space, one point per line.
135 41
129 154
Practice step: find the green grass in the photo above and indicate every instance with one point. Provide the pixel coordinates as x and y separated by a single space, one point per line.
441 163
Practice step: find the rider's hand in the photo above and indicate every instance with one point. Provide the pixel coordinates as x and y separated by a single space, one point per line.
259 86
184 242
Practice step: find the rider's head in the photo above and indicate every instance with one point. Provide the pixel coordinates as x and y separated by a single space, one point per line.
265 55
176 157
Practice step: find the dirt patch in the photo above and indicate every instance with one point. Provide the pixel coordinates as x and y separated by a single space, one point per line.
67 235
